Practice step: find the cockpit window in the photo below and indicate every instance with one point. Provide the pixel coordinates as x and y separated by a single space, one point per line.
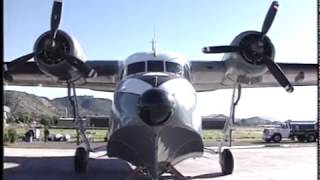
155 66
174 68
136 68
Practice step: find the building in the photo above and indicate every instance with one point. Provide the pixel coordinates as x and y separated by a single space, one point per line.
64 122
214 121
89 121
99 121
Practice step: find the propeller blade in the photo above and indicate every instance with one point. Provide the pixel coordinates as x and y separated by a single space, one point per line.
269 18
220 49
19 61
80 65
55 17
278 74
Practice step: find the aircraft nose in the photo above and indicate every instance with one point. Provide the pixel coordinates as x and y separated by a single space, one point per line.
156 106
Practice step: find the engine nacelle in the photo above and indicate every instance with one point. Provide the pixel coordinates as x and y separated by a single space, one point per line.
246 66
51 62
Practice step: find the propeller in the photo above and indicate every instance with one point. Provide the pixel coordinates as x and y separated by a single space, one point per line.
219 49
55 18
278 74
269 18
80 65
19 61
258 47
51 48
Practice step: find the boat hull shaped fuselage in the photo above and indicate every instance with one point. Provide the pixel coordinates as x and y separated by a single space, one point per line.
154 147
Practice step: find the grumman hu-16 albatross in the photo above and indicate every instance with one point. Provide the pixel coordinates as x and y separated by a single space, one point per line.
154 123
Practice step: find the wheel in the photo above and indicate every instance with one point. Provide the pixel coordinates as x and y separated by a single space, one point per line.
81 160
226 162
300 138
276 138
311 138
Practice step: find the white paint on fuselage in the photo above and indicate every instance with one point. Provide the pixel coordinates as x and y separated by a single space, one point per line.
185 95
135 86
180 88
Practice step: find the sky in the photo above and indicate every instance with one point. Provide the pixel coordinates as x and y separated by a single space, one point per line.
112 30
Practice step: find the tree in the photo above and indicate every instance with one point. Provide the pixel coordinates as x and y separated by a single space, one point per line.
27 119
12 135
55 120
48 121
23 118
10 119
45 120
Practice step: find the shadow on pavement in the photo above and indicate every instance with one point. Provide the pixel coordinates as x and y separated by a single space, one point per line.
62 168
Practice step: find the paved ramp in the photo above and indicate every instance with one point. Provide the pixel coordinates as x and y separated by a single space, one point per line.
293 163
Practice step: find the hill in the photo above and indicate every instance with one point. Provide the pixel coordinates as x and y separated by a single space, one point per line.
29 104
218 120
88 106
35 106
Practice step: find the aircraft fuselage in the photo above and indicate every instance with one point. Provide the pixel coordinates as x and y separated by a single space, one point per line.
154 121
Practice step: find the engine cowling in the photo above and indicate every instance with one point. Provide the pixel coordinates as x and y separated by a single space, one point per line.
51 62
246 65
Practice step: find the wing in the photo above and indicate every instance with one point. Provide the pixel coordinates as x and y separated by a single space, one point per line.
210 75
30 75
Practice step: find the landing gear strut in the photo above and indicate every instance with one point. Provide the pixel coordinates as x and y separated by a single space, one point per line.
225 156
82 152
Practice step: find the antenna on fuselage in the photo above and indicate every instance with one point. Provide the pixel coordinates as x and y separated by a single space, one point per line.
153 42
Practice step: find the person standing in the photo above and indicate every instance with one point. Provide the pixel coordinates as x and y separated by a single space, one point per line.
37 134
31 133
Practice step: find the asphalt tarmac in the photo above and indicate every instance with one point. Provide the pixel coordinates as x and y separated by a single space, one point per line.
251 162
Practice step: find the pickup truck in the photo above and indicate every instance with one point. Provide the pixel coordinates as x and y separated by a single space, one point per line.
301 130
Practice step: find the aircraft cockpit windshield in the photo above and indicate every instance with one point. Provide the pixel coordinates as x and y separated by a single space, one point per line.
134 68
155 66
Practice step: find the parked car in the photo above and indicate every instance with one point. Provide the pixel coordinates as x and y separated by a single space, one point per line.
59 137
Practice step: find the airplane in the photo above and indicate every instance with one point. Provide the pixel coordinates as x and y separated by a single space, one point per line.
154 123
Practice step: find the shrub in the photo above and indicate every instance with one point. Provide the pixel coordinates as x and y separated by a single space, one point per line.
5 137
12 135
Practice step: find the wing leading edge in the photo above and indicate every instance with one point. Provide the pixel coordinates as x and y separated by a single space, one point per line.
210 76
30 75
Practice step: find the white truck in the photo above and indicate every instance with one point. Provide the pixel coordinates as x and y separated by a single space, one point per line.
300 130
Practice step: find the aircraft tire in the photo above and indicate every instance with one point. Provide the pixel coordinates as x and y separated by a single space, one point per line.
81 160
226 162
